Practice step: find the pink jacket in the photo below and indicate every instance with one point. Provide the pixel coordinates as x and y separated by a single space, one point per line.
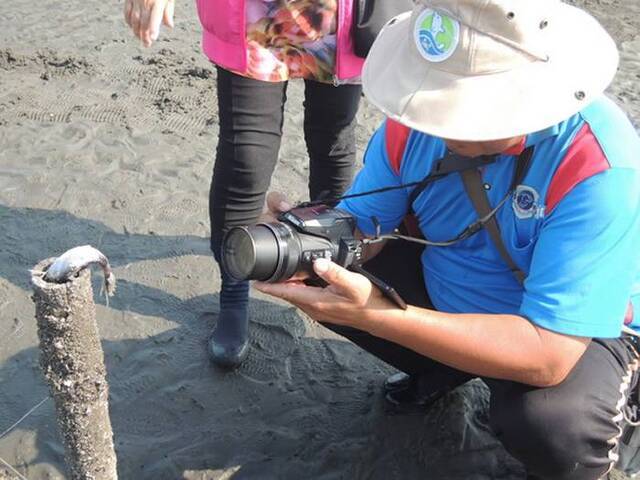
224 36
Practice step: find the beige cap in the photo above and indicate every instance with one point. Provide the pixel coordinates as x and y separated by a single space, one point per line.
488 69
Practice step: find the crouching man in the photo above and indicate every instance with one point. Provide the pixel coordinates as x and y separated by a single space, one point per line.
532 217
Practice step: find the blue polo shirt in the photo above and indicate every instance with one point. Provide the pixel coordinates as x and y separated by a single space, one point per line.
573 225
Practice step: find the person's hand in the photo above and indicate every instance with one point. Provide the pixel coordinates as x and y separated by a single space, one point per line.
350 299
275 204
144 18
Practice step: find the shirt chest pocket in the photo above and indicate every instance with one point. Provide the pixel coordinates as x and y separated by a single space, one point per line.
520 235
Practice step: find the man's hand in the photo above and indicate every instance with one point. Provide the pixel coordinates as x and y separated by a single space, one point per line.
350 299
144 17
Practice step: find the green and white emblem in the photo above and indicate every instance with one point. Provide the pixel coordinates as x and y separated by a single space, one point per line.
436 35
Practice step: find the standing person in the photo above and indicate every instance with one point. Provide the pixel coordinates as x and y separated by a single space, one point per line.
257 46
532 279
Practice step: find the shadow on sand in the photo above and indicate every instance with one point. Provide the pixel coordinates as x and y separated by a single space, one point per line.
300 407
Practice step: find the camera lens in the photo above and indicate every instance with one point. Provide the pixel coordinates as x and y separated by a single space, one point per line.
250 253
271 252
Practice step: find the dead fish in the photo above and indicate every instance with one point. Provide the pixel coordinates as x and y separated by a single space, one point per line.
73 261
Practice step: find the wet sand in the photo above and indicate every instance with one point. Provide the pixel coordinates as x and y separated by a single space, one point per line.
106 143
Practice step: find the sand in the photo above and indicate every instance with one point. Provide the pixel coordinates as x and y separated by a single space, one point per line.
106 143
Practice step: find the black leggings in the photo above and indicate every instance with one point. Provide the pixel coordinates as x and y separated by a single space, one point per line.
251 117
566 432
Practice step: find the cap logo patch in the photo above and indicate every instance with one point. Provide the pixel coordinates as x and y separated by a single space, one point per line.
436 35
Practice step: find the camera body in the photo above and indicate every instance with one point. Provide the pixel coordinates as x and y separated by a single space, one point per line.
324 223
276 251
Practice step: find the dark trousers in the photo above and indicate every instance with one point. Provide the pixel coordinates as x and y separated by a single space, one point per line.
251 116
566 432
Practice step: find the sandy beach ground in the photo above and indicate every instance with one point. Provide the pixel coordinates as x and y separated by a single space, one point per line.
105 143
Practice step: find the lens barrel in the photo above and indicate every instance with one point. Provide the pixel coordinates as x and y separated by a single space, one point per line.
250 253
269 252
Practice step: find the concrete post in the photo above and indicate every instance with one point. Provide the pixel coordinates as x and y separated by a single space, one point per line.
72 361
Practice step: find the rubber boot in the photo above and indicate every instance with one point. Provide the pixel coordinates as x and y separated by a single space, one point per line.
228 343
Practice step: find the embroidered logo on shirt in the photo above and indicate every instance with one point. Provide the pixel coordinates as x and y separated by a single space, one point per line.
436 35
526 203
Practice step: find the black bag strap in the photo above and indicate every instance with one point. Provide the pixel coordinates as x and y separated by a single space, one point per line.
473 184
363 12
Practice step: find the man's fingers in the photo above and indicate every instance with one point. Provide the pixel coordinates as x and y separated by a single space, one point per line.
332 273
340 278
167 17
277 202
296 293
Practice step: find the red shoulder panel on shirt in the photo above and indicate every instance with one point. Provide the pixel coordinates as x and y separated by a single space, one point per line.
584 159
396 136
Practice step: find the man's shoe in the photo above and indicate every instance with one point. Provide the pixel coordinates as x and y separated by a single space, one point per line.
397 381
401 402
405 395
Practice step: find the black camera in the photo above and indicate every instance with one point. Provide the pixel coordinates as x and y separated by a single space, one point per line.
274 252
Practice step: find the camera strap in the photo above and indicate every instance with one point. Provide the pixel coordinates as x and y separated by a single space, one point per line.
473 184
468 168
